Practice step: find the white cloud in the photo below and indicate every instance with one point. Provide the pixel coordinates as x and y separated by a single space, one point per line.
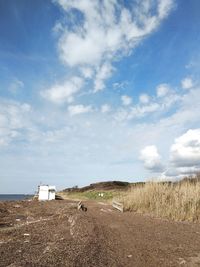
102 33
180 172
169 101
126 100
107 31
121 115
13 119
187 83
185 152
136 112
149 105
61 93
109 147
58 27
120 85
102 74
16 85
78 109
105 108
87 72
141 111
162 90
151 158
144 98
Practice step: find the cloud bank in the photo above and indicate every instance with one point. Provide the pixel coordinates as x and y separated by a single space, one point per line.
184 156
99 33
185 152
151 158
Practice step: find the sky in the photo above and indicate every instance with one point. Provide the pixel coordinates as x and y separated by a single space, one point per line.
98 90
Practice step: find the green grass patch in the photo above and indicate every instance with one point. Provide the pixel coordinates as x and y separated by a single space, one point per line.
98 195
92 194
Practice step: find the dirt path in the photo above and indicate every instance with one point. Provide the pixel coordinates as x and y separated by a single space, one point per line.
144 241
56 234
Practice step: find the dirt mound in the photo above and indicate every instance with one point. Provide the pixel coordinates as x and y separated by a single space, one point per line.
110 185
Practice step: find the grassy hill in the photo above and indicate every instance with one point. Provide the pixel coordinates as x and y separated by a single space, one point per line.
102 190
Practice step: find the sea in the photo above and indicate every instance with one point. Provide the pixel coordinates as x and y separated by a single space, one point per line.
11 197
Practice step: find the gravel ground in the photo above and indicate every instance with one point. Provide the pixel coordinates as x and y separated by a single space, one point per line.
55 233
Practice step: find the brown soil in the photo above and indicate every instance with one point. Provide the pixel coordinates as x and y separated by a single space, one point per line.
55 233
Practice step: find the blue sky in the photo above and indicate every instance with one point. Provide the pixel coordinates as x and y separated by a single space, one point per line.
98 90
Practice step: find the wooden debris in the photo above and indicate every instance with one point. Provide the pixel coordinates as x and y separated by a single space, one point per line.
118 206
81 206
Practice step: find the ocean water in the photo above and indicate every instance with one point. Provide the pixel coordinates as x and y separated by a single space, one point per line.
9 197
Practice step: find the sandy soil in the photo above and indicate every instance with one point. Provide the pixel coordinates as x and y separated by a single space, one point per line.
57 234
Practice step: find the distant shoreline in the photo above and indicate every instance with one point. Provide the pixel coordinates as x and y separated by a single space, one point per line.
14 197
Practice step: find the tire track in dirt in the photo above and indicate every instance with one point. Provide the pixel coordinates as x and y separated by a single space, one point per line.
140 240
99 237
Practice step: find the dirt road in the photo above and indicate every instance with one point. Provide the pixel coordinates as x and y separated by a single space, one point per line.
56 234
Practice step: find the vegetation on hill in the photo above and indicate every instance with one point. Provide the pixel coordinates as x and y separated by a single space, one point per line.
110 185
97 191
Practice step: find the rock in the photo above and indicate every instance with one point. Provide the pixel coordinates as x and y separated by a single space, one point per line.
26 234
16 206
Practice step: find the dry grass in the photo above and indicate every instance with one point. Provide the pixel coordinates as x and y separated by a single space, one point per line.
177 201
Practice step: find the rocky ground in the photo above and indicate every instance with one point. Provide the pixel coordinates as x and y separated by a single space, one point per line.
55 233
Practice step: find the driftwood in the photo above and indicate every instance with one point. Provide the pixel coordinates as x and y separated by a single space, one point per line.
58 197
81 206
5 224
118 206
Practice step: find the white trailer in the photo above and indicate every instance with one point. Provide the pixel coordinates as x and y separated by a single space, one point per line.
46 192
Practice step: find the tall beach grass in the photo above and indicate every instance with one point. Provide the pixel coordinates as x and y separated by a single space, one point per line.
178 201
